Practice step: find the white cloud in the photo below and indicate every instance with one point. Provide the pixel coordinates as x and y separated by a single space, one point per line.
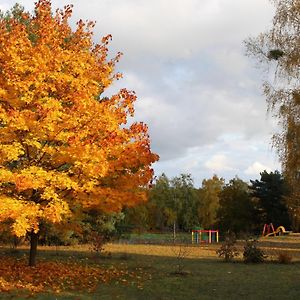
4 6
218 163
170 28
257 168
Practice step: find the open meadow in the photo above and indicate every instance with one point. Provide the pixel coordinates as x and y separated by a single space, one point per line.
145 271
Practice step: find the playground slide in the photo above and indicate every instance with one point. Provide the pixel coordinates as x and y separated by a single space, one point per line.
279 230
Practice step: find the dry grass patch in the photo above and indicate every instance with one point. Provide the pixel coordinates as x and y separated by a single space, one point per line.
199 251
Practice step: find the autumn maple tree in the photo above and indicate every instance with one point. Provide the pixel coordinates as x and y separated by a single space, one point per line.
63 146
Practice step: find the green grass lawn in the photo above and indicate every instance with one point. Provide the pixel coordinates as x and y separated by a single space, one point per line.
157 279
158 238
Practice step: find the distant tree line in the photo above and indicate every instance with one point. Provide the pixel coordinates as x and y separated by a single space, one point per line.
237 206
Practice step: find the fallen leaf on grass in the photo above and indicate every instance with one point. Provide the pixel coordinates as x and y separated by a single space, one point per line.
57 276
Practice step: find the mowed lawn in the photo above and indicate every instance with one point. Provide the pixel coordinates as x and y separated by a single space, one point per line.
151 273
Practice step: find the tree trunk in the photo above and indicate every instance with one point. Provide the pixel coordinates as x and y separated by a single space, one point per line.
34 237
174 231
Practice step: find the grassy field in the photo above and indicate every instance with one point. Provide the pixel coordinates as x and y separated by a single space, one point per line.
150 272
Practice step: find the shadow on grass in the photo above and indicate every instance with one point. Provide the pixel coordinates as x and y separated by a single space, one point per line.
108 257
85 253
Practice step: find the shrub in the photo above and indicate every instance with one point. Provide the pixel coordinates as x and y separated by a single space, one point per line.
253 254
7 238
97 242
181 250
284 258
228 250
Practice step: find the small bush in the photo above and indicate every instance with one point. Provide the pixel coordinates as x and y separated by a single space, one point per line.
97 242
228 250
7 238
181 250
284 258
253 254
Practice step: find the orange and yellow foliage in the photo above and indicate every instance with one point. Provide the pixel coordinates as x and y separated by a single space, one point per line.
63 145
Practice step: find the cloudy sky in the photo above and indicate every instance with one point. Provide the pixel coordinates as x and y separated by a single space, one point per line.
198 92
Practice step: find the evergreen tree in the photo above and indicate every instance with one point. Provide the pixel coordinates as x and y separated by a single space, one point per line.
269 192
